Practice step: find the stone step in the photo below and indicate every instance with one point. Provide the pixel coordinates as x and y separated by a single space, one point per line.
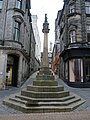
45 99
77 104
45 88
45 77
17 100
44 94
34 103
65 103
41 72
41 109
45 83
45 71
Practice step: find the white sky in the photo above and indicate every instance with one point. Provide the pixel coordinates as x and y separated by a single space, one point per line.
51 7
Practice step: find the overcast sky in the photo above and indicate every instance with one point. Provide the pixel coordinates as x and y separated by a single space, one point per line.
51 7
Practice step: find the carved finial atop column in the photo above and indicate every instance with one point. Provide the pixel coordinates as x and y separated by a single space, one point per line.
46 18
45 25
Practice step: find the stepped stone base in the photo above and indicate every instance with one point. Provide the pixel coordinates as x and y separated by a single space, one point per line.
45 74
44 96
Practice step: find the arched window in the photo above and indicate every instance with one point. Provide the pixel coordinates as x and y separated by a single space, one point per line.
72 36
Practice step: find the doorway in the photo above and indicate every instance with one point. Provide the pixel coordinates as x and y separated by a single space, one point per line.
12 70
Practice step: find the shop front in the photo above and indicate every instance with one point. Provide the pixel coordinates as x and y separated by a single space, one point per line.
77 67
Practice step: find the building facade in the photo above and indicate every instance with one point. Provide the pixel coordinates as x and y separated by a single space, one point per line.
56 48
32 51
15 38
74 26
38 42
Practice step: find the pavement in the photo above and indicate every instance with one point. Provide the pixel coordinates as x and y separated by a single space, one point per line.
81 113
49 116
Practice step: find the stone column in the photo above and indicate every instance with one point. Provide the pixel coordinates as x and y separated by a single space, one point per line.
45 30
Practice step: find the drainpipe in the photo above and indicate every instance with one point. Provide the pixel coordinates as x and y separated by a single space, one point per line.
30 45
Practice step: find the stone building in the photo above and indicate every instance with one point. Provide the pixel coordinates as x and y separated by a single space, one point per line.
74 28
32 51
56 48
38 42
15 38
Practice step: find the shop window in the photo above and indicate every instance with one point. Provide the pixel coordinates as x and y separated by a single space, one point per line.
1 2
16 31
19 4
76 70
72 36
66 70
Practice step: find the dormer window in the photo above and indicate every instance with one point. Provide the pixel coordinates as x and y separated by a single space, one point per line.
19 4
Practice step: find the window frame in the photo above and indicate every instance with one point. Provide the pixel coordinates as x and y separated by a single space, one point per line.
1 1
72 36
88 27
19 4
16 35
88 32
87 7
